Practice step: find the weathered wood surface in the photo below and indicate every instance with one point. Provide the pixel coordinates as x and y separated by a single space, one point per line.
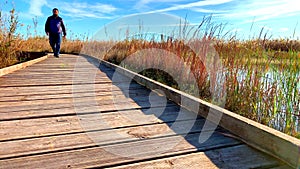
41 125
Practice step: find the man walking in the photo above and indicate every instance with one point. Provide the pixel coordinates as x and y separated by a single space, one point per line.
54 28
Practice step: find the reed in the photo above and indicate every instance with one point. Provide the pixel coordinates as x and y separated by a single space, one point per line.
10 43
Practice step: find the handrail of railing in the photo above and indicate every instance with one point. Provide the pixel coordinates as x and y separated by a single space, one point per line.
19 66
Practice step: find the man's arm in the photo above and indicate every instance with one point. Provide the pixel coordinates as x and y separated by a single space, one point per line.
63 28
47 26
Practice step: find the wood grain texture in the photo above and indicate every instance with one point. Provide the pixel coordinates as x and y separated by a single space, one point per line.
230 157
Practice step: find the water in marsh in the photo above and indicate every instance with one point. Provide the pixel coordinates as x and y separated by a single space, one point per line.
275 97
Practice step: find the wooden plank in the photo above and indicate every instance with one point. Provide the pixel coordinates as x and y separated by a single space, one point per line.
108 155
240 156
46 75
68 60
34 95
88 107
245 156
37 92
66 65
18 148
54 82
58 72
86 98
65 110
189 161
55 79
125 103
17 92
27 128
57 83
27 90
50 75
43 81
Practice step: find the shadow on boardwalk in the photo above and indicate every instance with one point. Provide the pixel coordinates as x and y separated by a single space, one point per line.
183 133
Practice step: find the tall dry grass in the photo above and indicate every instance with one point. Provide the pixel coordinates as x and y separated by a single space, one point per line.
263 83
262 76
41 44
10 43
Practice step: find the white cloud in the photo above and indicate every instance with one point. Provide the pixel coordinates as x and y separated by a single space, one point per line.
192 5
83 9
284 29
36 7
210 11
263 10
246 11
144 3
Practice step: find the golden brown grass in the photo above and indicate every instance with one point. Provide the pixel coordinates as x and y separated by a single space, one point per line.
259 84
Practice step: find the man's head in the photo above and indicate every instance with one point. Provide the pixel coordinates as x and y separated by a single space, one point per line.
55 11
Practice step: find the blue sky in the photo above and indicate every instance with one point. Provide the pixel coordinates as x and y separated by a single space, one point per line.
85 17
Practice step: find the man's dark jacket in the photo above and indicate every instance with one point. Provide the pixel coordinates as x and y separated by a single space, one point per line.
55 24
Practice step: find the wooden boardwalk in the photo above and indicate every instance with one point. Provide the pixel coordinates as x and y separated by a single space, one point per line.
43 105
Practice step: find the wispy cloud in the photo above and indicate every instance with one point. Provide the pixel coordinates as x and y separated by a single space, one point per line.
193 5
245 11
143 3
87 10
282 30
209 11
263 10
36 7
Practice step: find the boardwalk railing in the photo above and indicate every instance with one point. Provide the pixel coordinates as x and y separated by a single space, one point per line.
19 66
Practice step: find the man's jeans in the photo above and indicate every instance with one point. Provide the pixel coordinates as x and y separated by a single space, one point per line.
55 41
